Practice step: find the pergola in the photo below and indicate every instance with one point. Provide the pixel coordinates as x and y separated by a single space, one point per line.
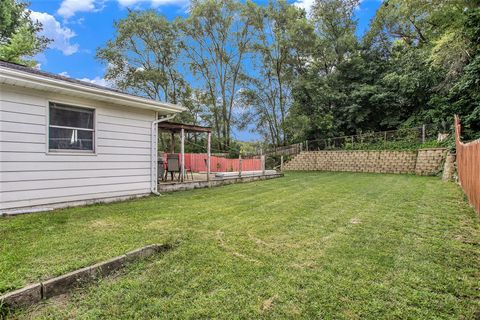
175 128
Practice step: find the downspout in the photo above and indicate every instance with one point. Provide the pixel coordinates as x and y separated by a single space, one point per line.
153 154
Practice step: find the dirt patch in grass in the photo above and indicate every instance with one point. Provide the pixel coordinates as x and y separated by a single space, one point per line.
103 224
355 221
268 303
220 235
158 224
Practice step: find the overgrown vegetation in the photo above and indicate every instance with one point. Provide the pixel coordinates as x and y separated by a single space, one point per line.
396 145
417 64
310 245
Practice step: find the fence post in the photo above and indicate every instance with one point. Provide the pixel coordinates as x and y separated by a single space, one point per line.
262 157
182 150
209 155
281 163
423 133
240 165
306 145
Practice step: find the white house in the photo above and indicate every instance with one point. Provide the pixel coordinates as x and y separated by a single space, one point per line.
66 142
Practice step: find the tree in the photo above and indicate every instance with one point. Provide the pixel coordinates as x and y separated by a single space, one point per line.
294 78
320 93
417 64
18 33
335 26
144 56
218 35
432 57
285 40
464 96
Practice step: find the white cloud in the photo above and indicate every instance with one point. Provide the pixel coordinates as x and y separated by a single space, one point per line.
304 4
68 8
154 3
64 74
52 29
98 81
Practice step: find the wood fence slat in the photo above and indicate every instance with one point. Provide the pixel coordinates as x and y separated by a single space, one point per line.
468 166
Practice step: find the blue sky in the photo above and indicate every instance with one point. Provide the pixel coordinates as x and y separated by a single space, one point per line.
79 27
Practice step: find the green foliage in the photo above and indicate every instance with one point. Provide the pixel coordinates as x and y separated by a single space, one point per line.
217 37
284 38
419 63
273 162
464 96
18 33
396 145
143 56
292 77
335 28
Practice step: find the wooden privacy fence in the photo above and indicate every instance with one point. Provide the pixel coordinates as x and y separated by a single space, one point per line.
468 166
197 162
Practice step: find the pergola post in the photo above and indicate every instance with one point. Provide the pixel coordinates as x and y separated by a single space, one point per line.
182 148
209 156
182 130
172 143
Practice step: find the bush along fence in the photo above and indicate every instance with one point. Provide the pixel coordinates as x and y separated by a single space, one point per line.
425 136
468 166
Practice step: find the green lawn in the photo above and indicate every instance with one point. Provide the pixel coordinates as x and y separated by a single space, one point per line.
309 245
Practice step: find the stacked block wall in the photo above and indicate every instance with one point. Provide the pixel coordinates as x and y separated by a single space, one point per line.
430 161
421 162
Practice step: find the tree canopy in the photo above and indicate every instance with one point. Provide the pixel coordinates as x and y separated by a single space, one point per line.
19 33
291 76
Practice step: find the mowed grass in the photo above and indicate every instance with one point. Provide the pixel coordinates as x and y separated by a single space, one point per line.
309 245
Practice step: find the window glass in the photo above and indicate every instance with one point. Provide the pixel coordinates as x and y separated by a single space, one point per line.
67 116
71 128
70 139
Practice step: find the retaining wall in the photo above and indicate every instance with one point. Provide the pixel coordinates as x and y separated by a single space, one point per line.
420 162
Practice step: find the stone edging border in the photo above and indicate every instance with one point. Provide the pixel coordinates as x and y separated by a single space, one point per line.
34 293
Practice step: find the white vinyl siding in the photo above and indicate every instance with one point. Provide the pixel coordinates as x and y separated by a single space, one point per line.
31 176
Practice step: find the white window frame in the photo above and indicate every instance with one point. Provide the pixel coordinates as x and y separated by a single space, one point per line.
67 151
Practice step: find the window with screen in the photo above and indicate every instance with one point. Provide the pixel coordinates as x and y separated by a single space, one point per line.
71 128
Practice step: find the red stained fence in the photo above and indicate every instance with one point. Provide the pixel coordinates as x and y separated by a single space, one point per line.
197 162
468 166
